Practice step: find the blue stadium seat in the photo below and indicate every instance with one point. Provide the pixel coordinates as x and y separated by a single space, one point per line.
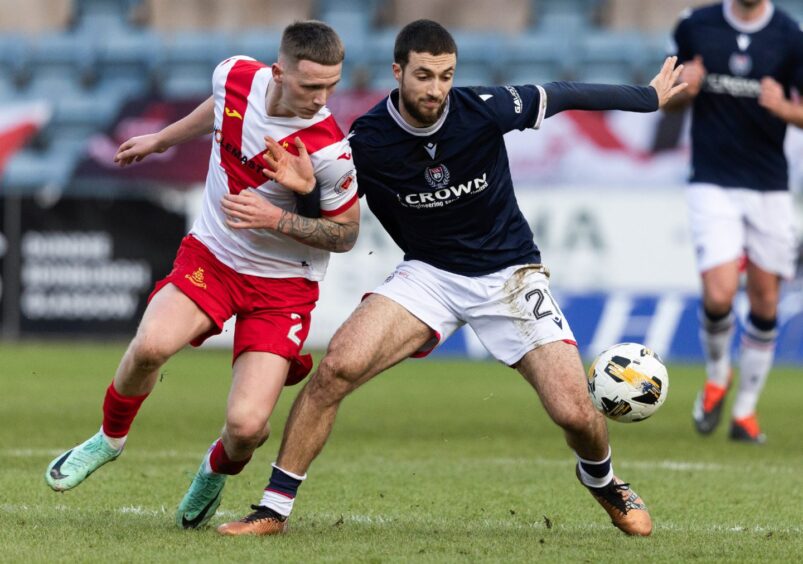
478 58
186 63
100 18
655 50
538 57
8 89
261 44
792 7
94 108
379 58
31 170
566 16
127 61
353 26
61 59
14 58
610 57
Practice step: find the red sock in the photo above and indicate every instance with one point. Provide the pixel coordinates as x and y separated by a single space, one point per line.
220 463
119 412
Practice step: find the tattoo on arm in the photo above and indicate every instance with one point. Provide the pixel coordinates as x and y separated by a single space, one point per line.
320 233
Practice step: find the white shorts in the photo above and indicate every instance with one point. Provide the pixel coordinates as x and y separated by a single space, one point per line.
727 223
511 311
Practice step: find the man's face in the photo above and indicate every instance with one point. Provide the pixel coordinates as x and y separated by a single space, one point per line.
424 85
306 86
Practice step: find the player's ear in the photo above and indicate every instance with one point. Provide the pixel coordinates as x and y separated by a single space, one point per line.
278 72
397 71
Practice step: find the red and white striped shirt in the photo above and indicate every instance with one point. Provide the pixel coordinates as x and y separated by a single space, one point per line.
240 85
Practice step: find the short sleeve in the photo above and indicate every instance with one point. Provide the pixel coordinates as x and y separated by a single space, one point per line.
680 44
797 59
337 178
514 107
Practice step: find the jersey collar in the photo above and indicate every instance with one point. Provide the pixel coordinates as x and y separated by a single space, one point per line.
418 131
746 27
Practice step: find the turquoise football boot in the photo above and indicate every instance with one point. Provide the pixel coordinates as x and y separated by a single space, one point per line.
74 466
201 500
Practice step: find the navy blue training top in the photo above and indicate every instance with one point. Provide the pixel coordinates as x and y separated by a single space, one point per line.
444 192
736 143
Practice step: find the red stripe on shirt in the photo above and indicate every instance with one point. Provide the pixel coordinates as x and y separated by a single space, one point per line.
238 87
341 209
315 137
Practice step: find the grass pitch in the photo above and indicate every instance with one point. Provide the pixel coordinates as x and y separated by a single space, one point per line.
434 461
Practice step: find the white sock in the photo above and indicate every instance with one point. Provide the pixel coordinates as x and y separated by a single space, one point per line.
757 354
207 458
281 504
716 338
592 481
117 443
281 501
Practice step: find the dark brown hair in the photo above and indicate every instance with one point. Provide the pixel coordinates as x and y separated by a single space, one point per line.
422 36
311 40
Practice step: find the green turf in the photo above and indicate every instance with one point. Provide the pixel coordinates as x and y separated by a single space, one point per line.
431 462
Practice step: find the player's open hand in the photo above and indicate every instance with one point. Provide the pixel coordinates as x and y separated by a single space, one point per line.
293 172
693 74
665 82
772 97
249 210
137 148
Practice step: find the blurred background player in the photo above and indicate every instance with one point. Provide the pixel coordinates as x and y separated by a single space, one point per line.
742 59
248 254
434 170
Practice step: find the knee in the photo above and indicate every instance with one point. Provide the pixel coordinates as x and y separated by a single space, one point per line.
147 354
718 298
335 378
577 420
763 302
247 433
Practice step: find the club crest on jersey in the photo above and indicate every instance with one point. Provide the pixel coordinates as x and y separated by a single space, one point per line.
437 176
740 64
344 182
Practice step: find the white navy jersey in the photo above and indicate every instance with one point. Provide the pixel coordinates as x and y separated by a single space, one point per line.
444 192
736 143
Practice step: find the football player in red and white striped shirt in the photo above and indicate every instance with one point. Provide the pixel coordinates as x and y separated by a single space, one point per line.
281 193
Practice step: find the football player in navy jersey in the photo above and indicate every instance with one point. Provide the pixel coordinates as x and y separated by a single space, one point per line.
742 59
434 170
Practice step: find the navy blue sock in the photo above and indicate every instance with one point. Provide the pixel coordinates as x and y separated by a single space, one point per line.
281 483
595 473
280 493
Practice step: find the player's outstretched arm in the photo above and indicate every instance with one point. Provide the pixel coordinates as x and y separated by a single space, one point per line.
293 172
198 122
249 210
562 96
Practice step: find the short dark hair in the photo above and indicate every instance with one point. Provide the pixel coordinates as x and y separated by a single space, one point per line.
422 36
312 40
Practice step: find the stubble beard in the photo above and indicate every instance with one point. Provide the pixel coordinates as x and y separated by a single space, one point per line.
411 105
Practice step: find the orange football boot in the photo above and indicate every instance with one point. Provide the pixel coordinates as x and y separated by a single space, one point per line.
708 408
625 508
262 521
747 430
